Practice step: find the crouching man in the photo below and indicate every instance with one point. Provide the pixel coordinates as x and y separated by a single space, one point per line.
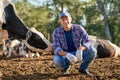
71 43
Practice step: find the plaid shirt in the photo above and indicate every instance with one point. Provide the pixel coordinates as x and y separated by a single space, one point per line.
78 33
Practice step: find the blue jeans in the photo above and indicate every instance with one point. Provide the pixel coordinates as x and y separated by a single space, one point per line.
88 56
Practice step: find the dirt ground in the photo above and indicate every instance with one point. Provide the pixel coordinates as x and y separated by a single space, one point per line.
40 68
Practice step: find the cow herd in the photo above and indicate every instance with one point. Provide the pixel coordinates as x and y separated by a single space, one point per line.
19 40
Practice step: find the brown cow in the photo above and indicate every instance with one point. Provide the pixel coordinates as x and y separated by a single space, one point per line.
105 48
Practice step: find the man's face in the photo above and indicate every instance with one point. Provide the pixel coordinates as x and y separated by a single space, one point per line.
66 23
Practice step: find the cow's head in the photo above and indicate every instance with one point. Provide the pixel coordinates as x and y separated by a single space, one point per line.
37 41
18 30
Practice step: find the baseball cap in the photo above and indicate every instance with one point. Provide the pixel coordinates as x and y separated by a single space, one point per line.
64 14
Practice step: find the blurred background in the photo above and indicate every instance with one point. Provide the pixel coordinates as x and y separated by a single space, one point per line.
100 18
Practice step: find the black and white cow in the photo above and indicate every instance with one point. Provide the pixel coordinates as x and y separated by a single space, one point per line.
18 30
17 48
14 48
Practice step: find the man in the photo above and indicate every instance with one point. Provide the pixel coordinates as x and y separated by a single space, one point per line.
68 39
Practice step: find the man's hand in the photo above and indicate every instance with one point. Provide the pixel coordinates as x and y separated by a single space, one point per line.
50 49
62 53
82 48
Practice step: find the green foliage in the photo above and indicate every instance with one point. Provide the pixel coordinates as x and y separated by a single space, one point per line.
33 16
46 18
115 29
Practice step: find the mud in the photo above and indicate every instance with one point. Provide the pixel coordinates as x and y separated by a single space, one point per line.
41 68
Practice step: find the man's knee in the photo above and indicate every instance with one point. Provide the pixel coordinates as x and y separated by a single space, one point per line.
56 61
93 51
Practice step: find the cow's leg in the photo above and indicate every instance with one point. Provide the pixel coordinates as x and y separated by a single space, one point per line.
9 52
1 40
1 48
37 54
3 45
21 48
30 54
22 53
15 53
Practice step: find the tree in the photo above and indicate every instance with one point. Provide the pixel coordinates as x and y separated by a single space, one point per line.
107 8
